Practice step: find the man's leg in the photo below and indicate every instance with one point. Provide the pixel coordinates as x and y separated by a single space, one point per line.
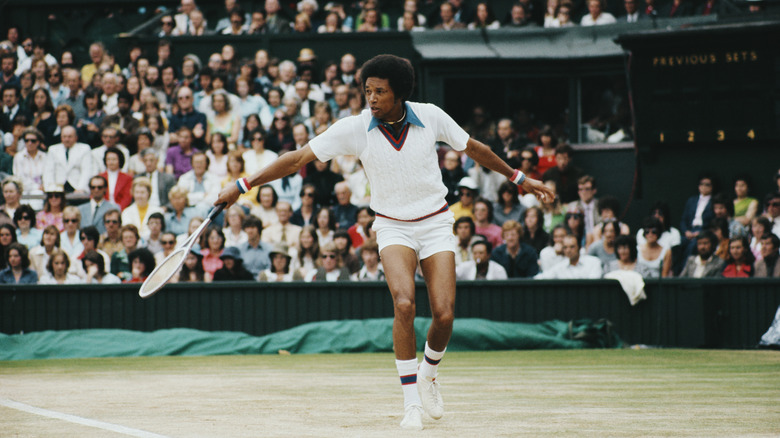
400 264
439 272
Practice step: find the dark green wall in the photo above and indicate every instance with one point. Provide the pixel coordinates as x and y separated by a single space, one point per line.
678 313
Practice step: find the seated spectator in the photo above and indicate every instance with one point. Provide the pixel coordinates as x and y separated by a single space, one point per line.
677 8
724 208
633 14
279 271
12 192
697 213
52 209
745 207
467 192
139 211
705 264
759 228
482 267
111 240
28 164
141 265
575 225
232 267
162 182
575 266
670 236
344 249
306 213
740 261
92 116
254 252
92 212
18 270
655 258
483 217
768 266
772 202
266 210
344 211
324 180
326 225
70 240
465 231
168 243
178 218
212 243
518 259
596 15
372 269
533 233
236 170
120 260
359 232
57 270
484 18
288 189
233 231
201 185
178 159
626 249
519 16
95 267
39 255
90 237
565 175
451 174
26 233
192 269
306 256
508 206
552 211
604 249
587 202
329 270
119 182
7 237
608 208
552 254
720 228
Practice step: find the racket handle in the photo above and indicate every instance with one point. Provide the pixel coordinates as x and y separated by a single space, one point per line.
216 210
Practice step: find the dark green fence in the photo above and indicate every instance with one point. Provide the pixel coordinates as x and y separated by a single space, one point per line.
677 313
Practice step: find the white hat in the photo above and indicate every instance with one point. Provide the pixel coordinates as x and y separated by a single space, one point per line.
468 183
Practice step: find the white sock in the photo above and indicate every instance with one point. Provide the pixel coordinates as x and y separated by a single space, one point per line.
430 363
407 371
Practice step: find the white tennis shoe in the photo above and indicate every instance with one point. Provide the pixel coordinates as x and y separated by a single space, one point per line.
430 397
412 418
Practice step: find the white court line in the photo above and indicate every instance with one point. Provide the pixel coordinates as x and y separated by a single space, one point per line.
78 420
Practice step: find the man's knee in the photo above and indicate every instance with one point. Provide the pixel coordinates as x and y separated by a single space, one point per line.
404 305
443 317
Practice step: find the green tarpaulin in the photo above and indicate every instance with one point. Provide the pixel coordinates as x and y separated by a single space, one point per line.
349 336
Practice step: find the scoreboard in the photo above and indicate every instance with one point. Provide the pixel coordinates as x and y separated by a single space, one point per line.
706 85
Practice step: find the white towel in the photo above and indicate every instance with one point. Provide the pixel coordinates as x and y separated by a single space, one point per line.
631 282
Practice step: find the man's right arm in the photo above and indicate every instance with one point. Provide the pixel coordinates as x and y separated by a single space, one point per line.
287 164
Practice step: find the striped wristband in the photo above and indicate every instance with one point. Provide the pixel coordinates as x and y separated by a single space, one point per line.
518 177
243 185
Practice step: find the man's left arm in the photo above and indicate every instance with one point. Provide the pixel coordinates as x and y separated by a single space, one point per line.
482 154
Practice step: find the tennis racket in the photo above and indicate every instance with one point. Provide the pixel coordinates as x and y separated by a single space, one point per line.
170 266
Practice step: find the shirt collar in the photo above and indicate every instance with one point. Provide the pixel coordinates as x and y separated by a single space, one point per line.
411 117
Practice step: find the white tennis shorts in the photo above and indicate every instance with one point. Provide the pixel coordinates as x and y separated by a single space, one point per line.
425 237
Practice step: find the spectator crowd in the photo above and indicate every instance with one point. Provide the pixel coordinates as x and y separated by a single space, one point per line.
105 168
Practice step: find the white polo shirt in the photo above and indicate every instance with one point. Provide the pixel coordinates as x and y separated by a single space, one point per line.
404 174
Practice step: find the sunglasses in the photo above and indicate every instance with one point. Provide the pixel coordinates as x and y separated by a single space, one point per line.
258 139
329 256
652 231
774 204
97 187
24 218
167 242
308 195
70 221
31 140
280 118
167 23
466 194
110 221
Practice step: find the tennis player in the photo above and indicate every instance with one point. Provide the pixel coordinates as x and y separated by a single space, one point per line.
396 141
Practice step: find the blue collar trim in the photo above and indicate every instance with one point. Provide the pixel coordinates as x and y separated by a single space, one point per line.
411 117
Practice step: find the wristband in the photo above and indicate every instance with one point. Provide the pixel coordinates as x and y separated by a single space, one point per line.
518 177
243 185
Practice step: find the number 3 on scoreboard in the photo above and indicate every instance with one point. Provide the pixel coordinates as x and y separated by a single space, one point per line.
690 136
721 135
